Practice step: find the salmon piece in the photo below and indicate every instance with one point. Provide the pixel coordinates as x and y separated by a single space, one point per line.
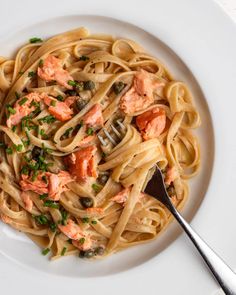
27 201
145 85
70 100
140 95
71 230
5 218
82 164
61 111
122 196
171 175
38 186
84 244
52 70
86 141
94 116
95 210
54 185
151 123
57 184
24 109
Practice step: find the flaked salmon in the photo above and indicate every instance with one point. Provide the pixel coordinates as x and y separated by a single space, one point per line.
82 163
27 201
23 107
151 123
140 95
60 110
47 183
52 70
122 196
94 116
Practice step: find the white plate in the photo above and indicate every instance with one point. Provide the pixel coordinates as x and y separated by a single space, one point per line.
204 44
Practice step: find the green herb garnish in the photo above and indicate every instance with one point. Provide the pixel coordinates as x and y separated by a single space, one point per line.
90 131
35 40
60 98
51 204
9 151
18 147
13 128
47 119
96 187
43 196
85 220
82 240
63 251
52 226
11 110
83 58
31 74
17 95
67 132
72 83
41 63
41 219
45 251
53 103
23 100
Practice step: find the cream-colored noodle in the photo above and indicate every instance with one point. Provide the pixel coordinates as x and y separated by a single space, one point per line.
129 164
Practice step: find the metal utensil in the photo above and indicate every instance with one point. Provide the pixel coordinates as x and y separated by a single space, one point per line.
221 271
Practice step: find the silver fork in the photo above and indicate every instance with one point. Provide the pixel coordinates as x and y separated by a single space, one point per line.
119 133
221 271
156 188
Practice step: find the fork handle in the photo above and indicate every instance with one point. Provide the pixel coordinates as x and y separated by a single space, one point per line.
221 271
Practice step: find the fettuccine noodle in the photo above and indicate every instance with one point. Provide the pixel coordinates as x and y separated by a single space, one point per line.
59 184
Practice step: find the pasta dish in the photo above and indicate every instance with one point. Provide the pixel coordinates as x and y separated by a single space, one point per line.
84 121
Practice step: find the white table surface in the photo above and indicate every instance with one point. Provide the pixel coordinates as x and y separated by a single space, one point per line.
229 6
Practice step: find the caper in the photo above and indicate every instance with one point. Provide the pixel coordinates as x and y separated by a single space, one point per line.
86 202
79 86
89 85
99 251
102 178
86 254
71 92
81 103
118 87
36 152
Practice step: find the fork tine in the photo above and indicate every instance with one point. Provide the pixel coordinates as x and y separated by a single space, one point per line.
109 137
102 140
116 131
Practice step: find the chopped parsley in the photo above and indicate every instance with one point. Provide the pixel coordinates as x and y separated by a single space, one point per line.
35 40
68 131
17 95
83 58
25 170
45 251
41 63
96 187
64 216
9 151
53 103
51 204
41 219
31 74
47 119
53 226
82 240
60 98
90 131
23 101
11 110
63 251
43 196
13 128
18 147
72 83
85 220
